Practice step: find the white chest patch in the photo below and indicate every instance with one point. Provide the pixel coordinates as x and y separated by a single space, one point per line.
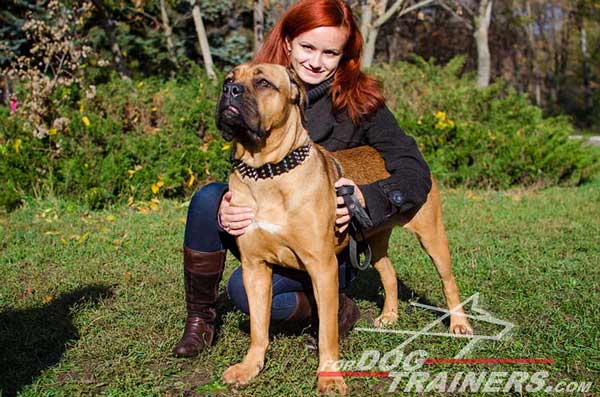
266 226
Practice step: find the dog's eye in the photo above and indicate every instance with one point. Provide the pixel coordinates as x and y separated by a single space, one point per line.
228 80
264 83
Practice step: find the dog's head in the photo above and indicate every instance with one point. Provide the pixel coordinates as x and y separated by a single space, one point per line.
256 99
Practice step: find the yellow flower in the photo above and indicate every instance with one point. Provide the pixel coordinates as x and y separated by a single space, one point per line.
154 204
226 146
86 121
17 145
81 107
156 187
52 131
190 181
440 115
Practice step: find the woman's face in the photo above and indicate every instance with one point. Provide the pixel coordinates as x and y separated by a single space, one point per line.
316 54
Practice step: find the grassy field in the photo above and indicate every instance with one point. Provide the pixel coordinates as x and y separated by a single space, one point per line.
91 303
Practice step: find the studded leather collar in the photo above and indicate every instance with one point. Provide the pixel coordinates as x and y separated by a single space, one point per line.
271 170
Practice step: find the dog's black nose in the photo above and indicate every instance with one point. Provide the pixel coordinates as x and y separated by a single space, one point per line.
233 90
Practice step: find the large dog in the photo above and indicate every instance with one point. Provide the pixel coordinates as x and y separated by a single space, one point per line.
294 201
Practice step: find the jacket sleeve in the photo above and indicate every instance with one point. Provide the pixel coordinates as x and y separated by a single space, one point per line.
409 182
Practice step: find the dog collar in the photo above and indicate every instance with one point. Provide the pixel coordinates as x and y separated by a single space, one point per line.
271 170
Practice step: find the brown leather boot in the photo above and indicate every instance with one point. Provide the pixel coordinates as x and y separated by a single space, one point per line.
348 315
303 310
202 274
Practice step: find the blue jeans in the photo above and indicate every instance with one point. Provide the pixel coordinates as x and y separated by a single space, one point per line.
203 234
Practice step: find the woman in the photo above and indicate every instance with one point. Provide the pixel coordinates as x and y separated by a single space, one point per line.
320 40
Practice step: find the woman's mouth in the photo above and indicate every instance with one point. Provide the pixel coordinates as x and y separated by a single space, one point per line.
312 71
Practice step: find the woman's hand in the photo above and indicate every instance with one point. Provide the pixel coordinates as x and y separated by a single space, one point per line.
342 213
234 219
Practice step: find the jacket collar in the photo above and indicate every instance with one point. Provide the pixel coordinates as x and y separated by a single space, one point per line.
316 92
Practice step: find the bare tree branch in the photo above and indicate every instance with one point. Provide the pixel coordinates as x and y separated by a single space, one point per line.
387 15
445 6
415 6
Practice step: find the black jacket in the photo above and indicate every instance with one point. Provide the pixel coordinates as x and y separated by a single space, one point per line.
409 183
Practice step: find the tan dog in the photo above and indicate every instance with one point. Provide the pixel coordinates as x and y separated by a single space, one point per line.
294 224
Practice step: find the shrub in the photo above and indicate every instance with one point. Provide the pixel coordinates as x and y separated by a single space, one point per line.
138 141
130 141
489 137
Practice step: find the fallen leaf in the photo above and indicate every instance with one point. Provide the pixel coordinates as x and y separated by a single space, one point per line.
83 238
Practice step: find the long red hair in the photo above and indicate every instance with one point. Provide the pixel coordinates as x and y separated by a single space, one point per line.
352 89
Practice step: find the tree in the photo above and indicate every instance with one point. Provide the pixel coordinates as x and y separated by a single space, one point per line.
259 23
374 14
109 25
168 32
479 15
202 39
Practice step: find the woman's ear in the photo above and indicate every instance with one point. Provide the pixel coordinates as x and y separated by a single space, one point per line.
287 45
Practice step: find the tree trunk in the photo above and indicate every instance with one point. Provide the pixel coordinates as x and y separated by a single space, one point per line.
259 24
168 32
366 17
370 28
108 25
585 64
369 51
6 90
482 25
533 64
203 40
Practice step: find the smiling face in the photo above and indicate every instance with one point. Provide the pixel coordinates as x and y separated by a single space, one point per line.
316 54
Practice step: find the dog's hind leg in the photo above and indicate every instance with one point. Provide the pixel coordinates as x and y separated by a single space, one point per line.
429 228
379 247
257 283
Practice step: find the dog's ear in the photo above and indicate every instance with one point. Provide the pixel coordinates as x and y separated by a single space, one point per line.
297 92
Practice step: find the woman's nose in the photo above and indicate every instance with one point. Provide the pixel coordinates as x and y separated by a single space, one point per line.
315 61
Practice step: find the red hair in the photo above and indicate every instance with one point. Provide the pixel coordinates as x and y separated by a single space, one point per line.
352 89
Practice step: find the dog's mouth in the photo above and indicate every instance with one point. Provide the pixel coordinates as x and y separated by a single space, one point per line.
233 110
234 123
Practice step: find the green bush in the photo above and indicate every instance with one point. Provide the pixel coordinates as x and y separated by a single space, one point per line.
489 137
133 141
138 141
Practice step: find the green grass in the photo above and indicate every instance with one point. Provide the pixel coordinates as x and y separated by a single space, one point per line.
92 302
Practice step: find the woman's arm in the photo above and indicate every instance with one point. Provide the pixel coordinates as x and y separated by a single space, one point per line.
407 187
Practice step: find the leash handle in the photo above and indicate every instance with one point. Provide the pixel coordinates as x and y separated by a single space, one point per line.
356 210
359 220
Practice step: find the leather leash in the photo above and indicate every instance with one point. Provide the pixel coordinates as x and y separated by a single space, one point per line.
359 220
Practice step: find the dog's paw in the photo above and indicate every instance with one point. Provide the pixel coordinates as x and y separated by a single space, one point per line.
332 385
386 319
240 374
459 325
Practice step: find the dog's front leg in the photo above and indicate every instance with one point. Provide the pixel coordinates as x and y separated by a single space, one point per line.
326 290
258 283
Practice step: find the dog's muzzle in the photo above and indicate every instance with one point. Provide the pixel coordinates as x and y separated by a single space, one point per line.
234 115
